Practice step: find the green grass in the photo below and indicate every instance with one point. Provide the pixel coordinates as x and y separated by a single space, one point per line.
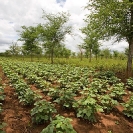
102 64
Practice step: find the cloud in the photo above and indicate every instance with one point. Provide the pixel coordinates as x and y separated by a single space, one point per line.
119 46
14 14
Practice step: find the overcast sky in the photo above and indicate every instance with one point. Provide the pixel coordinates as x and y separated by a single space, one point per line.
16 13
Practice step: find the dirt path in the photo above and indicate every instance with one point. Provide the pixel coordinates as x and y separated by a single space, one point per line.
14 115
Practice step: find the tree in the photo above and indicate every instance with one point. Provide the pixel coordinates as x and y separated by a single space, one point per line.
65 52
29 35
73 54
126 51
7 53
115 54
53 32
81 51
15 49
91 43
122 55
115 21
96 49
62 52
106 53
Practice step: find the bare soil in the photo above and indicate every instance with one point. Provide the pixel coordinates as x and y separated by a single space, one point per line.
18 119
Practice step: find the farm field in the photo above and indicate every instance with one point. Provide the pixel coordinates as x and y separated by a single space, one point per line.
39 98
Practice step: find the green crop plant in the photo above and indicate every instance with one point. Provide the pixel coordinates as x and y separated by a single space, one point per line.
1 107
107 103
118 91
107 75
2 96
2 125
54 93
28 98
60 124
87 108
104 74
130 83
128 107
42 112
66 98
99 86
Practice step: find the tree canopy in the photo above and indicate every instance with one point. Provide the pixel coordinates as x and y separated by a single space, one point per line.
29 35
112 18
53 31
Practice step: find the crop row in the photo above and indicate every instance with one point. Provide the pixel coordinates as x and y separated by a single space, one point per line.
43 110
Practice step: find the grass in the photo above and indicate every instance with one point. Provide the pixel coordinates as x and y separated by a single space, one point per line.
101 64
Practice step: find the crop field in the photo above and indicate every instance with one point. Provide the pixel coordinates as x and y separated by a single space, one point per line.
52 98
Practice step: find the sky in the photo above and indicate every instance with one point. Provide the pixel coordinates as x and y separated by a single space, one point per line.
16 13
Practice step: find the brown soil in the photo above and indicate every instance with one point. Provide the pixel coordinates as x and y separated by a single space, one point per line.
18 117
122 75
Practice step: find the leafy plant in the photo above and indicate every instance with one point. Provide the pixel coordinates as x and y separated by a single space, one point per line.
1 107
28 98
107 75
130 83
25 94
99 86
66 98
117 91
107 102
2 125
128 111
110 131
2 96
87 108
104 74
60 124
54 93
42 112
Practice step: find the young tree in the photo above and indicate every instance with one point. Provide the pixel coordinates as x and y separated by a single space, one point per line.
96 50
29 35
62 52
88 46
106 53
53 32
15 49
91 43
122 56
115 54
81 48
113 18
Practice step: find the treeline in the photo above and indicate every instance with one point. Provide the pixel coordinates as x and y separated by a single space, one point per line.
47 40
63 52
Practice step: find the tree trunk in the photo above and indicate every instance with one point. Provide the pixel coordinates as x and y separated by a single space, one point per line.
130 52
129 62
81 56
96 56
52 56
90 54
31 59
